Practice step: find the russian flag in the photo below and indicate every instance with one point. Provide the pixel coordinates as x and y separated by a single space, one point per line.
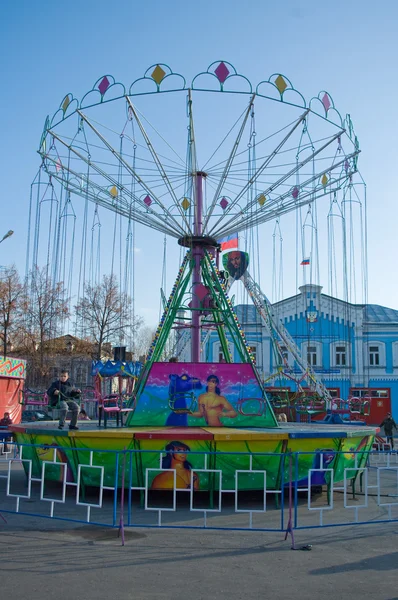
228 242
304 262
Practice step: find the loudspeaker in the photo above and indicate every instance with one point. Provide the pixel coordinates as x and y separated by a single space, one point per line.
119 353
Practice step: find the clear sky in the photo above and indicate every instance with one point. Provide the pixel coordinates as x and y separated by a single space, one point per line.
348 48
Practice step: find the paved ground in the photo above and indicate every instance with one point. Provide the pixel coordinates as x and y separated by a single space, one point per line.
44 559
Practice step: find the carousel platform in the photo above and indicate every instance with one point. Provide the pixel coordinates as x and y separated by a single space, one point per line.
285 431
214 453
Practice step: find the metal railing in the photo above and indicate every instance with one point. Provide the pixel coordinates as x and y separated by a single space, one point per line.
221 490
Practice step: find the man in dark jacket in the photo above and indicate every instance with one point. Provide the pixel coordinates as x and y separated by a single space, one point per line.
60 394
5 422
388 425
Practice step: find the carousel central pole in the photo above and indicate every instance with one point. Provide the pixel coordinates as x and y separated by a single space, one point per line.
197 254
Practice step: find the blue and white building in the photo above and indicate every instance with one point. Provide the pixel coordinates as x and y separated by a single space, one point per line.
353 348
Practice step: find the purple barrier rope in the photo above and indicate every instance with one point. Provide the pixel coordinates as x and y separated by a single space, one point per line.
121 522
289 528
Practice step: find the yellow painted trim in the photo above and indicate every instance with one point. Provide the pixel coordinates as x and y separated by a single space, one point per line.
119 432
222 433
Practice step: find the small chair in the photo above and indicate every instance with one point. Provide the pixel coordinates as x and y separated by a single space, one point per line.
32 398
107 405
124 410
112 404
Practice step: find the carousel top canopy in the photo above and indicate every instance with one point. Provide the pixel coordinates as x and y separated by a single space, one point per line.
134 149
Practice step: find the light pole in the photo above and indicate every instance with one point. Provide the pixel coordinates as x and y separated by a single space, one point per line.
6 235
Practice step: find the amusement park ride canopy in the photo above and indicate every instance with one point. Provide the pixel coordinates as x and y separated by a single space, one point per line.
292 167
212 172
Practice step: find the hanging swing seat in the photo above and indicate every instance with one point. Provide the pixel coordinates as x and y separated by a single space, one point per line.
182 402
112 404
32 398
359 406
60 398
251 407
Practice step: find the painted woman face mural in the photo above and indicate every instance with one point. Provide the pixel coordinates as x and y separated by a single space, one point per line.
176 459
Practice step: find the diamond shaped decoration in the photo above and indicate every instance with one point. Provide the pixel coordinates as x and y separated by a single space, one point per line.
185 204
103 86
148 200
280 84
158 74
262 200
326 101
224 203
65 103
113 192
221 72
295 192
324 179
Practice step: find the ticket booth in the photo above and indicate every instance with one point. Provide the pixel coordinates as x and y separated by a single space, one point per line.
12 379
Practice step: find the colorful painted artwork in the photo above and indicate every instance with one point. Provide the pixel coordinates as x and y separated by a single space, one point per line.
317 453
312 316
12 367
160 458
203 394
236 263
176 459
354 455
326 454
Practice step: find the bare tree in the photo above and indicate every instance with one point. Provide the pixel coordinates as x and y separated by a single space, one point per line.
10 300
170 347
143 340
45 308
104 313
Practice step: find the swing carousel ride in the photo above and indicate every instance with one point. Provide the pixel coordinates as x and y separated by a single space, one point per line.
201 163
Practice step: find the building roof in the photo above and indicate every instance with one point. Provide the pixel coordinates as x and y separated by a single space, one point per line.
374 313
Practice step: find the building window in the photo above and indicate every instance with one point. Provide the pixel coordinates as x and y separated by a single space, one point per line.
312 356
218 355
312 351
369 393
395 354
374 356
341 356
376 353
81 375
253 350
284 355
